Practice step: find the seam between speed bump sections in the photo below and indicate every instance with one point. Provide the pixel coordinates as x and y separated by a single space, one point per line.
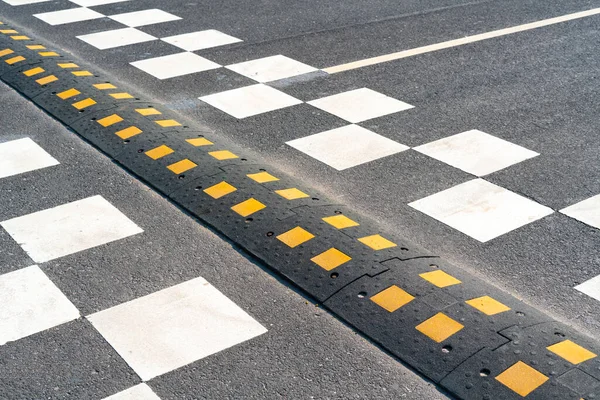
470 338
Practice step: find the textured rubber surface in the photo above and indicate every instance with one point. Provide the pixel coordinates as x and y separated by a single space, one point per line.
469 337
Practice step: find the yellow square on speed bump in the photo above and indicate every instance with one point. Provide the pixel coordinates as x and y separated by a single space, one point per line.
104 86
340 221
439 327
110 120
5 52
487 305
222 155
36 47
521 378
295 237
159 152
572 352
377 242
262 177
67 94
199 142
331 259
181 166
14 60
46 80
168 123
439 278
33 71
67 65
248 207
219 190
84 103
291 194
147 111
121 96
128 132
392 298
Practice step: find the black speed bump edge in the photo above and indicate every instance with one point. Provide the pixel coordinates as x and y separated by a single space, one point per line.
470 338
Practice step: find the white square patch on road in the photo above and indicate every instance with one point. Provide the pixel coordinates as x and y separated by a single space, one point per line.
250 100
144 17
68 16
200 40
586 211
70 228
481 209
347 147
360 105
23 155
116 38
591 288
138 392
476 152
175 65
173 327
272 68
23 2
92 3
31 303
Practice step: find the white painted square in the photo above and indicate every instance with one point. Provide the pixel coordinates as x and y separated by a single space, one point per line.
68 16
138 392
70 228
272 68
175 65
144 17
481 209
586 211
23 2
250 100
23 155
92 3
171 328
591 288
476 152
31 303
200 40
347 147
360 105
116 38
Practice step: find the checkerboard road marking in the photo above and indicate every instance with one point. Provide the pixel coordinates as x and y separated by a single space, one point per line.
23 155
174 65
68 16
347 147
23 2
144 17
476 152
138 392
250 100
272 68
173 327
116 38
591 288
69 228
200 40
481 209
31 303
586 211
360 105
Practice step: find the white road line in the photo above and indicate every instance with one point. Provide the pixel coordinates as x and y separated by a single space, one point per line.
591 288
459 42
138 392
116 38
586 211
173 65
68 16
23 155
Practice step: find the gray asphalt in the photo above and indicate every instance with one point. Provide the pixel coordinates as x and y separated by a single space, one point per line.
538 89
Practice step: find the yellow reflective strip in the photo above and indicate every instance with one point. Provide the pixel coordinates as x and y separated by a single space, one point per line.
159 152
67 65
377 242
15 60
295 237
120 96
181 166
291 194
8 31
572 352
110 120
67 94
147 111
222 155
104 86
198 142
262 177
392 298
219 190
21 37
439 278
46 80
48 54
331 259
521 378
340 221
33 71
36 47
167 123
5 52
82 73
487 305
248 207
128 132
84 103
439 327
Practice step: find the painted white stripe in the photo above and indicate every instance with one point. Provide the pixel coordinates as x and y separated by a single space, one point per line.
459 42
23 2
70 228
173 327
586 211
68 16
116 38
23 155
138 392
591 288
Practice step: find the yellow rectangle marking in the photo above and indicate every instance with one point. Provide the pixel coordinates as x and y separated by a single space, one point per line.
377 242
128 132
521 378
572 352
104 86
439 278
121 96
82 73
47 79
48 54
110 120
219 190
262 177
248 207
67 65
5 52
340 221
167 123
15 60
20 37
487 305
159 152
67 94
84 103
291 194
295 237
198 142
331 259
439 327
222 155
181 166
147 111
8 31
33 71
36 47
392 298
